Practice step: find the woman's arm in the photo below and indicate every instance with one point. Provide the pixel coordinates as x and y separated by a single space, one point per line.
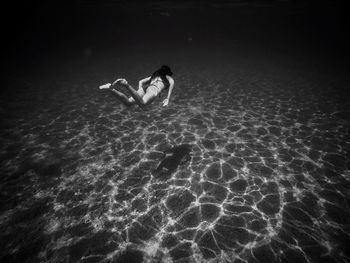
143 81
172 83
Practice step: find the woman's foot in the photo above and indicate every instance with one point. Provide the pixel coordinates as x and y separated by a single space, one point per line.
105 86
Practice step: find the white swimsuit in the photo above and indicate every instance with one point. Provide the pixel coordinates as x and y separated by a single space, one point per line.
156 86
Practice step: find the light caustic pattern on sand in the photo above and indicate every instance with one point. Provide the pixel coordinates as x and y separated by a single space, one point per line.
266 182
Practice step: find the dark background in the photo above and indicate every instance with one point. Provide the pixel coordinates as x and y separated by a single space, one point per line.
38 32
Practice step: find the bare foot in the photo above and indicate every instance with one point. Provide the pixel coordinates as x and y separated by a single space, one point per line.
105 86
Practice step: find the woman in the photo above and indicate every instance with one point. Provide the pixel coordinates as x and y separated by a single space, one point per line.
154 85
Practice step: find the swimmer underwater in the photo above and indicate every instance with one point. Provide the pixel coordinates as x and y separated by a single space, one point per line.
149 88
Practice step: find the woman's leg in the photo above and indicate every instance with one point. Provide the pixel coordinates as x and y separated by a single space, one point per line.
140 100
134 94
122 97
149 97
137 97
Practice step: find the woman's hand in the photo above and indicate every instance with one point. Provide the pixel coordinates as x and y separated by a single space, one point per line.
165 102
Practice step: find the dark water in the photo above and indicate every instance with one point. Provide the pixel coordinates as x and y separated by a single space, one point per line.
248 163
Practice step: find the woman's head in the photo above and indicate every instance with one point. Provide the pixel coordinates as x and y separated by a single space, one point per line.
162 72
165 70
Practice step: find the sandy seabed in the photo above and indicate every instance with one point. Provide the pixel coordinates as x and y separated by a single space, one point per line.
266 180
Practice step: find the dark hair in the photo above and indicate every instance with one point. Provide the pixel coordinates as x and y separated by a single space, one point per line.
162 72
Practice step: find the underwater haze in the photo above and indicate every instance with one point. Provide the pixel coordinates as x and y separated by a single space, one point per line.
249 162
